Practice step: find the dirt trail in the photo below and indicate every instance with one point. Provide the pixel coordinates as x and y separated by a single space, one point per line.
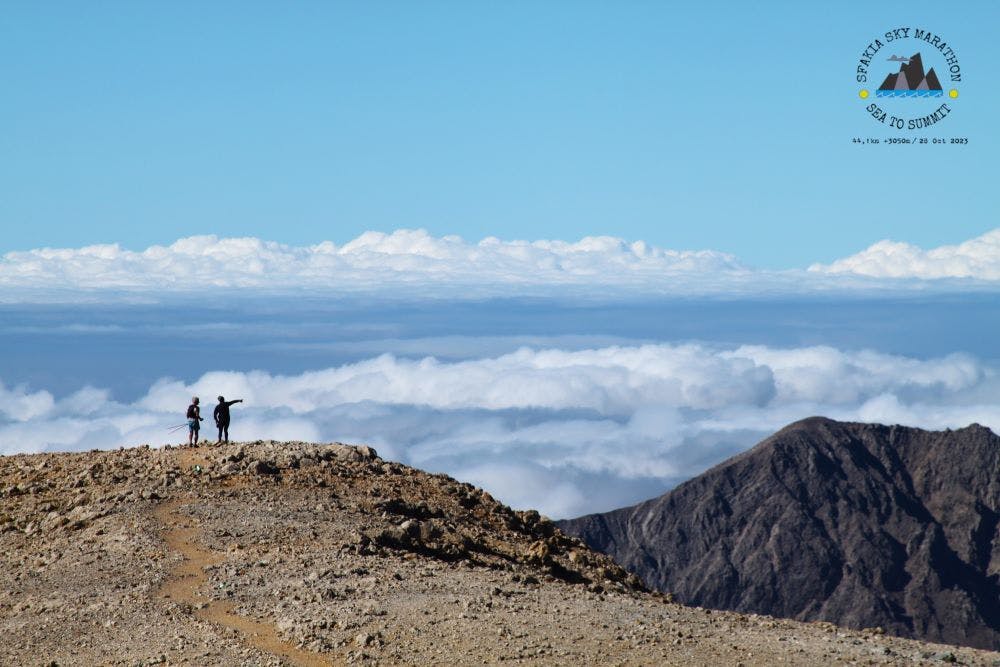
84 562
187 579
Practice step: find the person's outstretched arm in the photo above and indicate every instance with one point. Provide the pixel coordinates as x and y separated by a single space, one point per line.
238 400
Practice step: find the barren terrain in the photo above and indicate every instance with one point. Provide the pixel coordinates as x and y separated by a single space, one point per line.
299 554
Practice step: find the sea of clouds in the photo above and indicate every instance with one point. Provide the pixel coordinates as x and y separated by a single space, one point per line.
415 263
578 424
565 431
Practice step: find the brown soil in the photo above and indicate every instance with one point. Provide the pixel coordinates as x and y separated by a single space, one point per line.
186 581
298 554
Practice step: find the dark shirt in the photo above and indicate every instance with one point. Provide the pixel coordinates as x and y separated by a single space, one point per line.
222 411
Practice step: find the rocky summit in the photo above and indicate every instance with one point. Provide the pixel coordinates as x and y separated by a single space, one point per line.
861 525
272 553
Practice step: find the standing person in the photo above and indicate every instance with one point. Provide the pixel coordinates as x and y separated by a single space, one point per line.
222 417
194 421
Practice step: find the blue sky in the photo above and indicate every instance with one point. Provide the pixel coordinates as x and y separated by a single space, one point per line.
697 125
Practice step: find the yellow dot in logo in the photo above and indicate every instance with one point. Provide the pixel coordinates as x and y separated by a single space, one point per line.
952 93
864 94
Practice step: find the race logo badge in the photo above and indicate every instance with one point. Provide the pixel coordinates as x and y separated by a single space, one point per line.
911 69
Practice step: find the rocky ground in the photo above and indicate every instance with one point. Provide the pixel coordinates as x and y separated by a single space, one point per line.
299 554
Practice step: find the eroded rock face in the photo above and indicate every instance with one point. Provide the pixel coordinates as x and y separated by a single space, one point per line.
857 524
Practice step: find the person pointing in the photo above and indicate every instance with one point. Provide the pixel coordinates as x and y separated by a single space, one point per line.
221 415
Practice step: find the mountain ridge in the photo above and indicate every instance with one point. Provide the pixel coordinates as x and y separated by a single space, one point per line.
911 77
856 524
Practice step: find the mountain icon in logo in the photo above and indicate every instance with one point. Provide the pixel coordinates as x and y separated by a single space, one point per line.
911 81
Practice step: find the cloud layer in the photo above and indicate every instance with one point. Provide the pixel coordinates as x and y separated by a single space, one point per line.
567 432
977 258
372 261
412 262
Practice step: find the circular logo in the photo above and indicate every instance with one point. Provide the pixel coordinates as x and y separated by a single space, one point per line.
913 75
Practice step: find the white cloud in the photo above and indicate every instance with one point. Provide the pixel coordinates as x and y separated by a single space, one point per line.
565 431
413 263
372 262
977 258
612 381
522 484
19 405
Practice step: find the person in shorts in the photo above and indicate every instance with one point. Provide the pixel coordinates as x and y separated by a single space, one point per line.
194 421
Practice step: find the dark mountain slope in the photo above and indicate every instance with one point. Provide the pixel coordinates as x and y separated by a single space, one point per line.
861 525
